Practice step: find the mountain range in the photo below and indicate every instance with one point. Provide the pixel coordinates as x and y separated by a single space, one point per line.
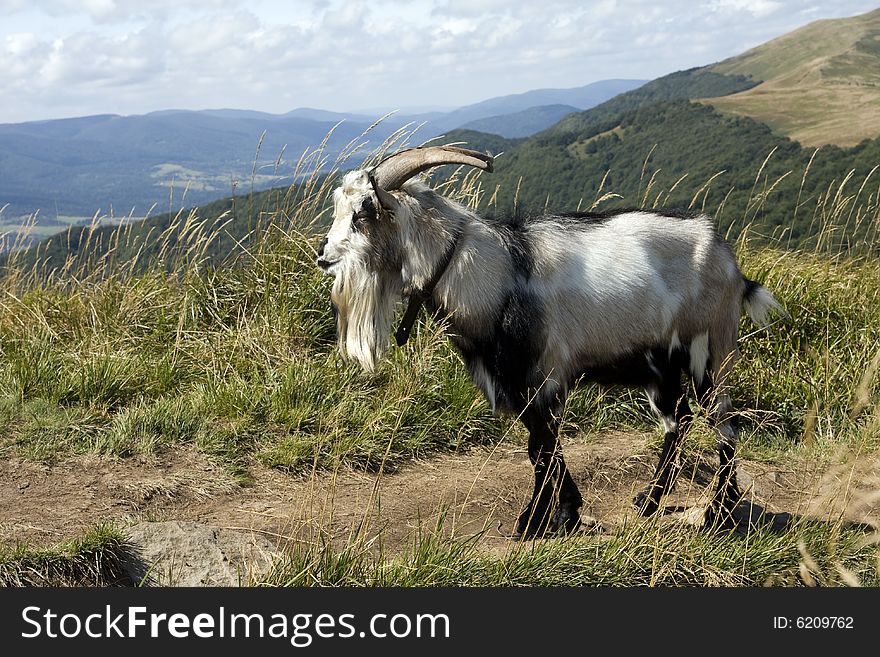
123 164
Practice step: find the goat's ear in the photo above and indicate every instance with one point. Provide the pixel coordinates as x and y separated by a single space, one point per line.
386 200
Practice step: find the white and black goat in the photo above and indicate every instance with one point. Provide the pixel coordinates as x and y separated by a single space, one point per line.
533 305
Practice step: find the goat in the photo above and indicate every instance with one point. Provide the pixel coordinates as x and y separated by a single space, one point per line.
533 305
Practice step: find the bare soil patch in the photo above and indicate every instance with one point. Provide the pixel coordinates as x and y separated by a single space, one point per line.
480 491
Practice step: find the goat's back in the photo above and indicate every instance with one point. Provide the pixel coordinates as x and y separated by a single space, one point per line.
609 285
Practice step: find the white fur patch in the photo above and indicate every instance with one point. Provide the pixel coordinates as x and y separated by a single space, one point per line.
699 356
669 424
622 283
674 343
484 381
760 304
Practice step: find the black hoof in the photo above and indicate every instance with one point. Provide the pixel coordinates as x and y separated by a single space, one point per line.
720 515
534 523
645 504
566 520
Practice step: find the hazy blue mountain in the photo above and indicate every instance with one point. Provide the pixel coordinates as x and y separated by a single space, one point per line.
579 97
521 124
324 115
87 165
130 164
228 113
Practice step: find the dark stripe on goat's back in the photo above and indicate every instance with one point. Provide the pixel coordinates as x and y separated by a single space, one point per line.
521 222
520 250
512 231
601 217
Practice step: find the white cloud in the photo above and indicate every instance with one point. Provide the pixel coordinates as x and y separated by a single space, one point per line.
349 15
12 6
757 8
112 11
66 57
471 7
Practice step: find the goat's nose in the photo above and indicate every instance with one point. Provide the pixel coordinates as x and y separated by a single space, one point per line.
321 247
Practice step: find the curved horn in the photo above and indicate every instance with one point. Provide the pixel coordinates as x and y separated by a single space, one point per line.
396 169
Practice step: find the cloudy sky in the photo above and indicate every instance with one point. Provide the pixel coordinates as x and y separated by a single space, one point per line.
62 58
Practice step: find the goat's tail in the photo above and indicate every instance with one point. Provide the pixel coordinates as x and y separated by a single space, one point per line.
758 302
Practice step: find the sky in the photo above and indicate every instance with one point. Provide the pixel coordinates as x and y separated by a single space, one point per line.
62 58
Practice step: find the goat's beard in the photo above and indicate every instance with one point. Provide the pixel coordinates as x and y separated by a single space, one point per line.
365 301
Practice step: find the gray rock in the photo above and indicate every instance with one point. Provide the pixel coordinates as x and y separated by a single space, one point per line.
176 553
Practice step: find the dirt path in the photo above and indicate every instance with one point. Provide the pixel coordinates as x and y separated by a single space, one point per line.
478 490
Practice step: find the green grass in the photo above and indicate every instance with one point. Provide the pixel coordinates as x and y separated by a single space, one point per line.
643 554
240 361
95 559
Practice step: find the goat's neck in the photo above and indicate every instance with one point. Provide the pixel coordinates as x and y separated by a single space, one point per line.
475 279
429 244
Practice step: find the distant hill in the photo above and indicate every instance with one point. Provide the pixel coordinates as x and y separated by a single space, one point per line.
818 85
579 97
119 165
482 141
655 147
323 115
83 166
522 124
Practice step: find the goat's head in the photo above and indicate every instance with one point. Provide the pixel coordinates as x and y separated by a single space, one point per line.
363 247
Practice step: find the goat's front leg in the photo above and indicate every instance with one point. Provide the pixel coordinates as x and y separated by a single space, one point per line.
669 402
555 498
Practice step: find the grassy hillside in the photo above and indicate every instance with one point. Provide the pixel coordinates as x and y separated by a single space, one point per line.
681 85
681 154
818 85
114 354
818 81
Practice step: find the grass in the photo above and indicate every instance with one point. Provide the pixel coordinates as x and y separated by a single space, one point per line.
815 80
95 559
643 554
100 356
637 555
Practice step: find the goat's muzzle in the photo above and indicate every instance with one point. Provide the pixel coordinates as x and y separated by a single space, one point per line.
323 262
325 265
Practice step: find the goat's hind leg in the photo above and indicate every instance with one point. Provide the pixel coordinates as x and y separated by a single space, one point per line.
670 403
727 493
555 499
714 397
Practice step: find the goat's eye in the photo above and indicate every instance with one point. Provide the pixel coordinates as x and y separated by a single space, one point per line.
365 214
